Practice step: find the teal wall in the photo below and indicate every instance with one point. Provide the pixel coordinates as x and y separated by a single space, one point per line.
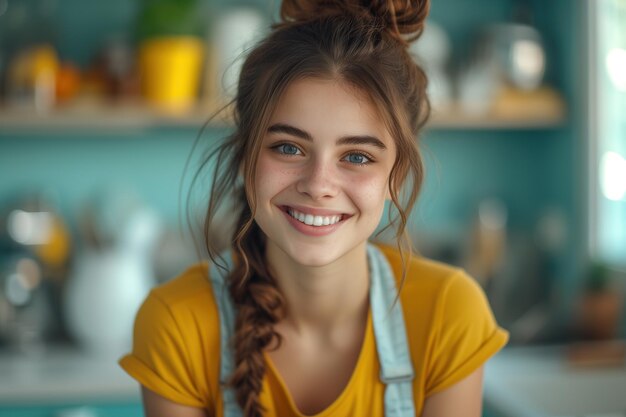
528 169
76 165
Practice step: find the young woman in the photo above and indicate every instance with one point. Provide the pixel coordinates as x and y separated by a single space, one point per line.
303 316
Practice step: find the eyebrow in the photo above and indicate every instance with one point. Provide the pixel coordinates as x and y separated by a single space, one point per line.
344 140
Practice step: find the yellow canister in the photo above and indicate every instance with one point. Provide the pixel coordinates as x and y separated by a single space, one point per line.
170 70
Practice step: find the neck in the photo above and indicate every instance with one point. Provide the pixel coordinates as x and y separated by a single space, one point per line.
323 299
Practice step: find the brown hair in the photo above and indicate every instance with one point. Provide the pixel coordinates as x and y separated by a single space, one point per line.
359 42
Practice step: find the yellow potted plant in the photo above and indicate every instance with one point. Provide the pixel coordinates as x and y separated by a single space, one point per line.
171 51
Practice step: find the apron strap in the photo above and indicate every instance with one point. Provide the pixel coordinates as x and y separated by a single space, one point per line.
227 326
391 341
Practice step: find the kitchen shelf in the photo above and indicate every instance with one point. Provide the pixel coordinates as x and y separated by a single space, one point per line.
101 116
123 116
454 119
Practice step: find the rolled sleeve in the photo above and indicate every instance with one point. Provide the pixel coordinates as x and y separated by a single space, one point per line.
159 359
467 334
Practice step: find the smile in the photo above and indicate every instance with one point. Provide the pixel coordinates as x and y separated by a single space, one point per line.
312 220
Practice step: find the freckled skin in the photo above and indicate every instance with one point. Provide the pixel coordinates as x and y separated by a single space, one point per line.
320 174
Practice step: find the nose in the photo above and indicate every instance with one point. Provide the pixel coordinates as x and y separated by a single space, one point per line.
318 180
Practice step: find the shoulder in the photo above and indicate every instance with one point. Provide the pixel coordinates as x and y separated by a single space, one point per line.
450 325
192 285
184 305
435 290
420 273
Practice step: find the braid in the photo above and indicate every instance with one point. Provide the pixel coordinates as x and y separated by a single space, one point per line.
259 306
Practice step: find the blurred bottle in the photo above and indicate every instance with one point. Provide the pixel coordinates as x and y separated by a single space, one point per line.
432 51
236 31
29 34
488 242
67 82
32 78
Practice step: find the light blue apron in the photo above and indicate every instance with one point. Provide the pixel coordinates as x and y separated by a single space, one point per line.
391 342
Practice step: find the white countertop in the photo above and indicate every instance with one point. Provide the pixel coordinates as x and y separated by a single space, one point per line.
533 381
519 382
63 374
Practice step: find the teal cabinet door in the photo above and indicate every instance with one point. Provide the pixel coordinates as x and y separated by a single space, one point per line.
73 410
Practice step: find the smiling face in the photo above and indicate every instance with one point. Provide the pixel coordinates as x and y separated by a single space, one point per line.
322 172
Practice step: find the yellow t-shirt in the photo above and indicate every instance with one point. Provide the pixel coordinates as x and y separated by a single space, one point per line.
450 327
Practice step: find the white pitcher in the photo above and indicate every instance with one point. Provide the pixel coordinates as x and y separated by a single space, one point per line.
107 286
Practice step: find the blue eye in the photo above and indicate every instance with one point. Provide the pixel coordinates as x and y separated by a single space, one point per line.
357 159
287 149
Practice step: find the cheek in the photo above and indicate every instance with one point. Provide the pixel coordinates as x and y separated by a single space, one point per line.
369 191
271 177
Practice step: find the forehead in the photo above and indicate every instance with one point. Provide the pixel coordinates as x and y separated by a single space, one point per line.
329 108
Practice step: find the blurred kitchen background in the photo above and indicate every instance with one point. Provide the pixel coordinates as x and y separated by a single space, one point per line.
101 104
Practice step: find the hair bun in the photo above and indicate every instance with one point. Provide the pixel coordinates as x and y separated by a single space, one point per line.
404 19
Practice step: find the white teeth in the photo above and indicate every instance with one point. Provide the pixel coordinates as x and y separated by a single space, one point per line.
312 220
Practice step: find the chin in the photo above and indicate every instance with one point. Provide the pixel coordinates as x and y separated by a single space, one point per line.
319 255
313 258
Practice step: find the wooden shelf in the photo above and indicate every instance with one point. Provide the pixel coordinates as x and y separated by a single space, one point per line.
454 119
131 116
510 109
104 117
